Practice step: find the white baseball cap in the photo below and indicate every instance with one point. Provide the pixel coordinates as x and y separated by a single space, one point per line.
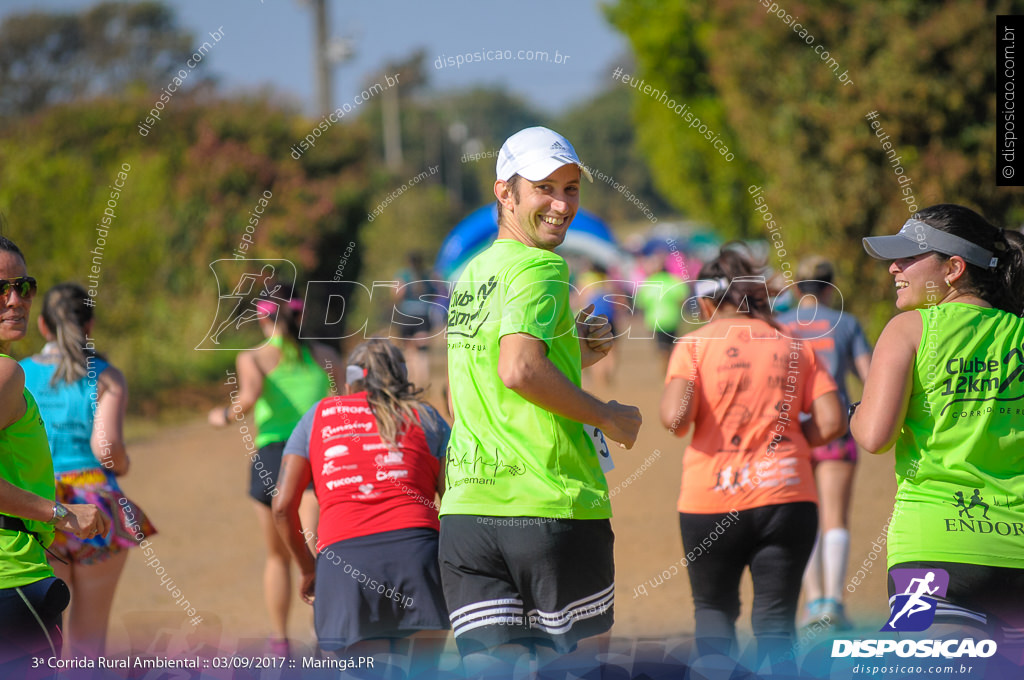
535 153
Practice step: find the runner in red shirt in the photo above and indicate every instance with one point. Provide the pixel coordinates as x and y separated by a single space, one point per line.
375 457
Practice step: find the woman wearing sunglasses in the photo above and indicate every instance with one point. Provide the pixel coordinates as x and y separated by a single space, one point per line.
31 598
947 389
82 399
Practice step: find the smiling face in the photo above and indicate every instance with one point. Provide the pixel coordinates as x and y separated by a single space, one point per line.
13 308
541 215
920 280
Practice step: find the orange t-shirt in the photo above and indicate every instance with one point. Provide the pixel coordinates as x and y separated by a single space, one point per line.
751 384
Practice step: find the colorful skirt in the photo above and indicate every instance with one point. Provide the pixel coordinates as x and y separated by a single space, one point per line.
128 524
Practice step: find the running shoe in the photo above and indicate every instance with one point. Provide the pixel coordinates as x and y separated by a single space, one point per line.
833 614
279 647
813 612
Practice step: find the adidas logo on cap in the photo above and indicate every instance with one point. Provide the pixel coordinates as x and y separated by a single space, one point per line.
558 145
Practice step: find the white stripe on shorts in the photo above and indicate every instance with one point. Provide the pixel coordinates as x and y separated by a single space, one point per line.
962 612
559 622
484 603
510 615
486 613
514 619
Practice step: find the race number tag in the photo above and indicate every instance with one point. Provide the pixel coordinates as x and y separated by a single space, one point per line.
604 455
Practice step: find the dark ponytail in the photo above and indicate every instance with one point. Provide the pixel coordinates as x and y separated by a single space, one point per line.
1013 271
735 261
1002 286
66 311
289 316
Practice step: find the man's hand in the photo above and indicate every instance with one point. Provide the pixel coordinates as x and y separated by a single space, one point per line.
595 335
622 423
85 521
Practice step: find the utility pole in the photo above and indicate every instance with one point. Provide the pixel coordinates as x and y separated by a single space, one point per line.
324 96
392 129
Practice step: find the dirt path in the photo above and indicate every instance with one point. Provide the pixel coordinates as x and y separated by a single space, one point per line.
192 480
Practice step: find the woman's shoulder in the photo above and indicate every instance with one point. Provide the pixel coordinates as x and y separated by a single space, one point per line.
908 322
262 358
321 350
12 375
110 374
12 389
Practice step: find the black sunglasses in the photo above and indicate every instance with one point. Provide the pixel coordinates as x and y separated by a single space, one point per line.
25 285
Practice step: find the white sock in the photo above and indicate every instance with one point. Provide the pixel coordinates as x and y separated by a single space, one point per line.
812 575
835 554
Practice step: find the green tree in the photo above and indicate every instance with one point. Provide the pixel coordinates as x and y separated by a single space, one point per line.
672 57
187 201
926 69
48 58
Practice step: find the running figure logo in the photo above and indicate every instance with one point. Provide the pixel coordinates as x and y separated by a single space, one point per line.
248 290
912 608
976 500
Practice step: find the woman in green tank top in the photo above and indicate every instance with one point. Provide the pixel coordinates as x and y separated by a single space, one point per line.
277 383
946 387
31 598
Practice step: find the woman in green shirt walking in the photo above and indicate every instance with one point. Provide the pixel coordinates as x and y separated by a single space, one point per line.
946 388
277 382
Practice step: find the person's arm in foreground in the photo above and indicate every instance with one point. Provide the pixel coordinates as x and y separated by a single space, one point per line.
524 367
293 478
877 421
84 520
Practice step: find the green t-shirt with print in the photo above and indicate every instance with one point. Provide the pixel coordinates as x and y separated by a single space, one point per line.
508 457
960 454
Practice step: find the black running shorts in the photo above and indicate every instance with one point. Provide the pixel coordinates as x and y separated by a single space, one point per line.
528 580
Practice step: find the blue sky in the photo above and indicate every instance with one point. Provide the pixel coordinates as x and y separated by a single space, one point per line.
270 42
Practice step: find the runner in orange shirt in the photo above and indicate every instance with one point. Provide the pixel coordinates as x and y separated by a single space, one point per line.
748 496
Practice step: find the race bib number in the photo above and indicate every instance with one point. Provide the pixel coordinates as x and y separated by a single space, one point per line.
604 454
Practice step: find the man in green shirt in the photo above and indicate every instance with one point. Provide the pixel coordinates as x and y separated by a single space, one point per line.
526 542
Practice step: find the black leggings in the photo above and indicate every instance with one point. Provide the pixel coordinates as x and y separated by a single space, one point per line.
775 541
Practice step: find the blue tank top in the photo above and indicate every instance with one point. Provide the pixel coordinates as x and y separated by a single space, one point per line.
67 410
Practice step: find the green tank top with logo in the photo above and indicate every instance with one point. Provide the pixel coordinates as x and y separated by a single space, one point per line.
26 463
291 389
960 455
